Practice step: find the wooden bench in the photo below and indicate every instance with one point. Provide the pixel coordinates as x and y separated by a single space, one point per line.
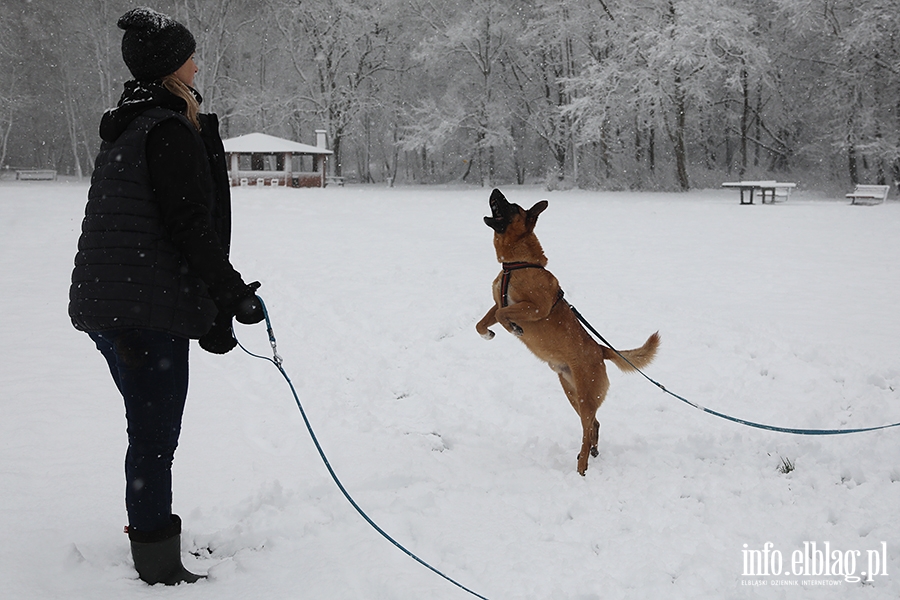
767 189
36 175
869 194
331 180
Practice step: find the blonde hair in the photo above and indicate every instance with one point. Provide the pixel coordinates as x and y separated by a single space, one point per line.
177 87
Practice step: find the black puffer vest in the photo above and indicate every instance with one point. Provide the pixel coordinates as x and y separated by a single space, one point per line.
128 274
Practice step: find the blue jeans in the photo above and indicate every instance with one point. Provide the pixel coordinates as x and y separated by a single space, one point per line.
150 368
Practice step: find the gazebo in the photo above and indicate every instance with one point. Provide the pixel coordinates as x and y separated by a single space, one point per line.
260 159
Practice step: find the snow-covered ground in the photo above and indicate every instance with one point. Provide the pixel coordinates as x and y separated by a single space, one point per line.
463 449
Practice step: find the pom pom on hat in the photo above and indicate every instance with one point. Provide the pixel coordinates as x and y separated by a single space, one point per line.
154 44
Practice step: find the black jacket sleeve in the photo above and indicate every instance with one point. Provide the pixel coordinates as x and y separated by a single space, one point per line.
176 163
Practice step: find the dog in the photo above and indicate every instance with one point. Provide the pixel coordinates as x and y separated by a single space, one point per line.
529 303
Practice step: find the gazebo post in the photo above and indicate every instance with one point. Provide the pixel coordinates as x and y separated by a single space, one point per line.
288 169
234 169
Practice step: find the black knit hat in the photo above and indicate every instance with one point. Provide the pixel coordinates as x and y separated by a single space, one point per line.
154 44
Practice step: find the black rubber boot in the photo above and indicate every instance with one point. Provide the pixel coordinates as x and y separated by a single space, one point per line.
157 556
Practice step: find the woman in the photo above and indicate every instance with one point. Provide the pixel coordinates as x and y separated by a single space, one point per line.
152 269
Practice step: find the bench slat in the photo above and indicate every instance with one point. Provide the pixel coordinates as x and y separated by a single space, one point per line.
35 174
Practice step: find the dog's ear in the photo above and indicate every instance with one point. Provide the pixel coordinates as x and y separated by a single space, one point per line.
533 212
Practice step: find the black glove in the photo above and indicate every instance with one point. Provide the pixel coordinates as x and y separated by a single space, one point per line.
248 309
239 300
219 339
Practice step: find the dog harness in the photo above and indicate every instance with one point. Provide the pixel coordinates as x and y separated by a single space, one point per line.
508 268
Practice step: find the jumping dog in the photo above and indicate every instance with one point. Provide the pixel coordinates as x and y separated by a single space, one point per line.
529 303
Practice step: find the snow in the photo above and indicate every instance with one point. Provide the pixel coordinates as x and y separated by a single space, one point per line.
260 142
464 449
145 18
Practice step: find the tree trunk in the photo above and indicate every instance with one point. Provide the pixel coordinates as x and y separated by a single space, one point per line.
757 122
651 143
678 138
336 166
745 117
70 104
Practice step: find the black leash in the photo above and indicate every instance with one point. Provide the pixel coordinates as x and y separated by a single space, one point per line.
277 360
722 415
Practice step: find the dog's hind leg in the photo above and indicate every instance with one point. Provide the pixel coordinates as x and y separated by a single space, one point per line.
572 394
587 428
586 399
595 438
596 387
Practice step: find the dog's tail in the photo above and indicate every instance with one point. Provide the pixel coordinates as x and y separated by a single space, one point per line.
633 359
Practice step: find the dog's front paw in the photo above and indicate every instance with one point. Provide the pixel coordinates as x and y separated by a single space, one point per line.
518 331
488 334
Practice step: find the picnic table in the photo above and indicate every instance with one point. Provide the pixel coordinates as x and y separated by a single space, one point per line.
766 189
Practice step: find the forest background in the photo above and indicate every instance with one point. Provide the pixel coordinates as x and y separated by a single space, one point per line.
610 94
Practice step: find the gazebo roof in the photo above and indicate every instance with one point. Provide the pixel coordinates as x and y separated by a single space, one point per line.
269 144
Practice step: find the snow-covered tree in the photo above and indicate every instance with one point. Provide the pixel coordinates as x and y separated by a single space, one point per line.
852 99
465 53
612 93
669 62
550 51
337 50
215 24
11 98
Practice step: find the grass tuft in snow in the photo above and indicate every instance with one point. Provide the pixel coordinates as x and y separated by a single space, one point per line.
786 465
